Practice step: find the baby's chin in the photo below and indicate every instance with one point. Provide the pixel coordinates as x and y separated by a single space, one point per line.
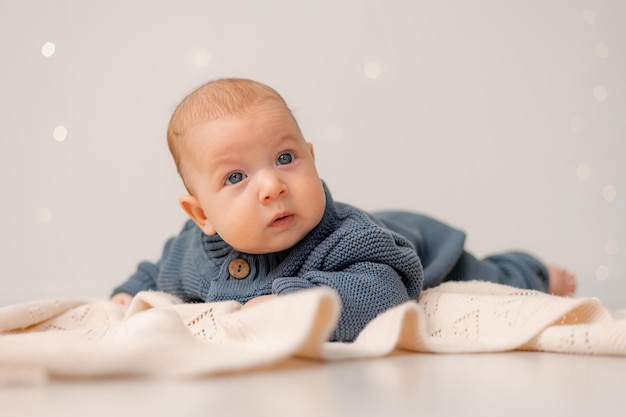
268 249
264 250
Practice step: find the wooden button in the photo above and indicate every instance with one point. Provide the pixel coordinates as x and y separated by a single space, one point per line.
239 268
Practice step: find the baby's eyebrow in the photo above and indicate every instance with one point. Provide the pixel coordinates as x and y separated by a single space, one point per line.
285 138
225 161
230 158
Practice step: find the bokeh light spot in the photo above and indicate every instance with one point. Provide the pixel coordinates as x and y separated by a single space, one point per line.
45 215
201 59
372 70
583 171
602 50
602 273
48 49
59 133
599 92
589 16
609 193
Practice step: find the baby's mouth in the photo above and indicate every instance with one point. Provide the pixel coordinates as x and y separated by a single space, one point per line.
282 220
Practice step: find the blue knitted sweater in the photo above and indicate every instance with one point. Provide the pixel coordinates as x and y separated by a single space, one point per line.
374 262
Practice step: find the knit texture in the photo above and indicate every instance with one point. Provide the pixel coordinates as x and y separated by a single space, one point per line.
159 335
374 262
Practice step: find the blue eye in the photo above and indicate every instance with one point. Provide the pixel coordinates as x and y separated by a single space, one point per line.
285 158
234 178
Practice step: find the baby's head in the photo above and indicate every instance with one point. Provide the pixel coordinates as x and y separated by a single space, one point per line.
223 98
250 174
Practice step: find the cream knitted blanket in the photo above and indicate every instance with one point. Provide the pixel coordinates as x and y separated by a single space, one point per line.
157 335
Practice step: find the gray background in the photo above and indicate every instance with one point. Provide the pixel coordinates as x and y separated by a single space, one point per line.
505 119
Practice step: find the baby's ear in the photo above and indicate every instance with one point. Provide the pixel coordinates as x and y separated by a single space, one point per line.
310 145
192 207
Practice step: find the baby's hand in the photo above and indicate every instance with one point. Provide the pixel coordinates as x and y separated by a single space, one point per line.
257 300
122 298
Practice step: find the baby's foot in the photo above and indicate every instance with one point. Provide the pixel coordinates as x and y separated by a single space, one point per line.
562 282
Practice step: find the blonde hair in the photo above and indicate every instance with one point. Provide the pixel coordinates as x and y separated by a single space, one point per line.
227 97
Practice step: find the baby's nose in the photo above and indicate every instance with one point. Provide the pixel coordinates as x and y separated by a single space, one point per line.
271 187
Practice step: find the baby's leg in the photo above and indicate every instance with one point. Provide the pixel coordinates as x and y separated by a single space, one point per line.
562 282
516 269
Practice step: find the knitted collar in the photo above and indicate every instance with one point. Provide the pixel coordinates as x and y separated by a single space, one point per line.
262 264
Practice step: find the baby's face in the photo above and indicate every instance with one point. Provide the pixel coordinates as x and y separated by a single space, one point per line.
255 179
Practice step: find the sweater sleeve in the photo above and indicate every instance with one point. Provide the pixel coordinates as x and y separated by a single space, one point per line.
142 280
371 269
145 278
366 290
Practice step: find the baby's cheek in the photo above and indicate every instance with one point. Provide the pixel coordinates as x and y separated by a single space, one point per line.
242 233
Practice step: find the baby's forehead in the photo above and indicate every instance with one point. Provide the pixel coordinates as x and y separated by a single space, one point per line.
214 112
267 110
273 119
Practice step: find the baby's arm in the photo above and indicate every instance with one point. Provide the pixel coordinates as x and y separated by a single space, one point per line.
371 269
144 278
366 290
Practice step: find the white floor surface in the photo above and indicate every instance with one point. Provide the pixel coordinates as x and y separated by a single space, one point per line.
507 384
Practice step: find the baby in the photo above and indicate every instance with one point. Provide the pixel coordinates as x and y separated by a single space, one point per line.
263 224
